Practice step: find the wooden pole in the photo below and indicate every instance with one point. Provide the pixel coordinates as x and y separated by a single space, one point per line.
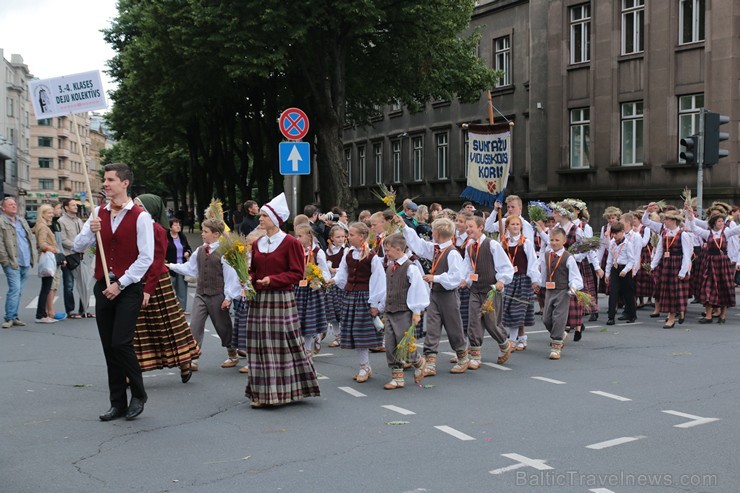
101 252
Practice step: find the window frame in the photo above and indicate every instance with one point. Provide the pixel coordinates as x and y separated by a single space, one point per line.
632 124
362 164
442 152
396 149
698 21
580 27
688 118
502 60
636 11
417 158
378 162
583 126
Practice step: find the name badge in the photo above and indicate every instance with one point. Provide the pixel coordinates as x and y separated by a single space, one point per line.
303 283
667 255
616 266
473 277
549 285
516 269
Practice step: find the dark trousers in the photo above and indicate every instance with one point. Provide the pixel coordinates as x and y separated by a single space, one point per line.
68 279
46 283
624 288
116 325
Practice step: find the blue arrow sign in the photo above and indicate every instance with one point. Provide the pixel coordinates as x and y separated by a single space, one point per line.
295 158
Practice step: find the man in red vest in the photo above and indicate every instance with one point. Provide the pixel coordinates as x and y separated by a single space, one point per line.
127 239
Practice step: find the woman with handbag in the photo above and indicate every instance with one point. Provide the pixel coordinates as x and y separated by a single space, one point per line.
47 248
178 252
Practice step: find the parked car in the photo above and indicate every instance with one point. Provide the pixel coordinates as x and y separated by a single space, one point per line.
31 218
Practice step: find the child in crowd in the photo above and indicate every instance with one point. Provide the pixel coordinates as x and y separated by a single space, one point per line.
310 302
620 263
334 254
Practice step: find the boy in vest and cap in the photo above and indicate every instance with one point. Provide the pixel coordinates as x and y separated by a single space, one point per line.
486 265
406 297
217 285
444 308
560 278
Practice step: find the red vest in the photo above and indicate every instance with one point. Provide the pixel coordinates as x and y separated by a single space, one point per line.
121 249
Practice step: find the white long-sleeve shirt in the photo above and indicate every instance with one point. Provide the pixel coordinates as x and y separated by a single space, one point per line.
622 253
232 286
492 227
686 250
575 281
376 298
320 260
449 280
655 227
417 298
144 242
501 262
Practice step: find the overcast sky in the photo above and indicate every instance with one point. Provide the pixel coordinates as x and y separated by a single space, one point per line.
57 37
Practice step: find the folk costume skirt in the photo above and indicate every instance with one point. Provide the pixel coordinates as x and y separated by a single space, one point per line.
358 331
589 285
279 370
334 299
163 338
518 303
673 292
717 274
239 328
644 282
311 311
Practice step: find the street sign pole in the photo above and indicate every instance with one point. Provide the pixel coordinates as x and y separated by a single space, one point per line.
700 163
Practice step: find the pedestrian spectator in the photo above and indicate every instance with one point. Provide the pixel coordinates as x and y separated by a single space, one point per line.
128 243
434 210
468 207
45 242
317 224
56 229
364 217
237 216
340 218
191 220
251 217
409 214
72 273
178 252
16 257
423 228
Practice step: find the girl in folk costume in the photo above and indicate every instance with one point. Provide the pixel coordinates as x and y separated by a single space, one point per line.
334 254
162 338
673 254
717 271
591 270
362 277
461 242
486 265
612 215
310 300
280 370
651 220
697 258
644 282
540 244
518 302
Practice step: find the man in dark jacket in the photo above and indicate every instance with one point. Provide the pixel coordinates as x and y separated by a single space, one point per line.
251 217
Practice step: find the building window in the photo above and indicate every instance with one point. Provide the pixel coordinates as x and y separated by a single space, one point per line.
418 161
10 106
378 160
362 164
502 60
44 122
691 21
45 162
45 141
632 134
466 143
348 164
580 33
689 107
396 105
443 154
580 140
46 183
633 19
396 161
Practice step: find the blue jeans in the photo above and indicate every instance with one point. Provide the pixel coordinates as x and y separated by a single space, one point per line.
69 294
16 281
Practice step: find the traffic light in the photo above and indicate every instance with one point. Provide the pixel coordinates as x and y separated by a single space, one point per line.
689 152
712 138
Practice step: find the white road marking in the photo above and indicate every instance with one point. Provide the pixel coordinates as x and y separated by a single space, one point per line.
600 490
536 332
494 365
34 303
452 431
321 377
696 420
215 335
151 375
352 392
633 323
550 380
610 396
399 410
616 441
321 355
522 462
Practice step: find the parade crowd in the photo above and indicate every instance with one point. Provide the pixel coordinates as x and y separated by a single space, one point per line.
390 282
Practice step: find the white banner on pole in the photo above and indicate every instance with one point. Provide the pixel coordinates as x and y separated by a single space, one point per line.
62 96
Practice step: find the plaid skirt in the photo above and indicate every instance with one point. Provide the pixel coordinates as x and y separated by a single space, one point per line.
655 275
602 281
358 331
673 293
311 310
644 282
589 285
575 313
518 303
163 338
420 331
334 303
696 266
717 281
279 370
239 328
464 303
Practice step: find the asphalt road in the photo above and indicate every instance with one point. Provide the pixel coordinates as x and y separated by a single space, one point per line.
631 408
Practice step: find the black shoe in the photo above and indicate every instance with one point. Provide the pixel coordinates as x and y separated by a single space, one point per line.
631 320
654 315
705 320
113 413
667 326
594 317
185 377
610 322
721 320
538 313
578 334
136 407
623 317
681 320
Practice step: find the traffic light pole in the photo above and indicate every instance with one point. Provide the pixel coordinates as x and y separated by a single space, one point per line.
700 163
